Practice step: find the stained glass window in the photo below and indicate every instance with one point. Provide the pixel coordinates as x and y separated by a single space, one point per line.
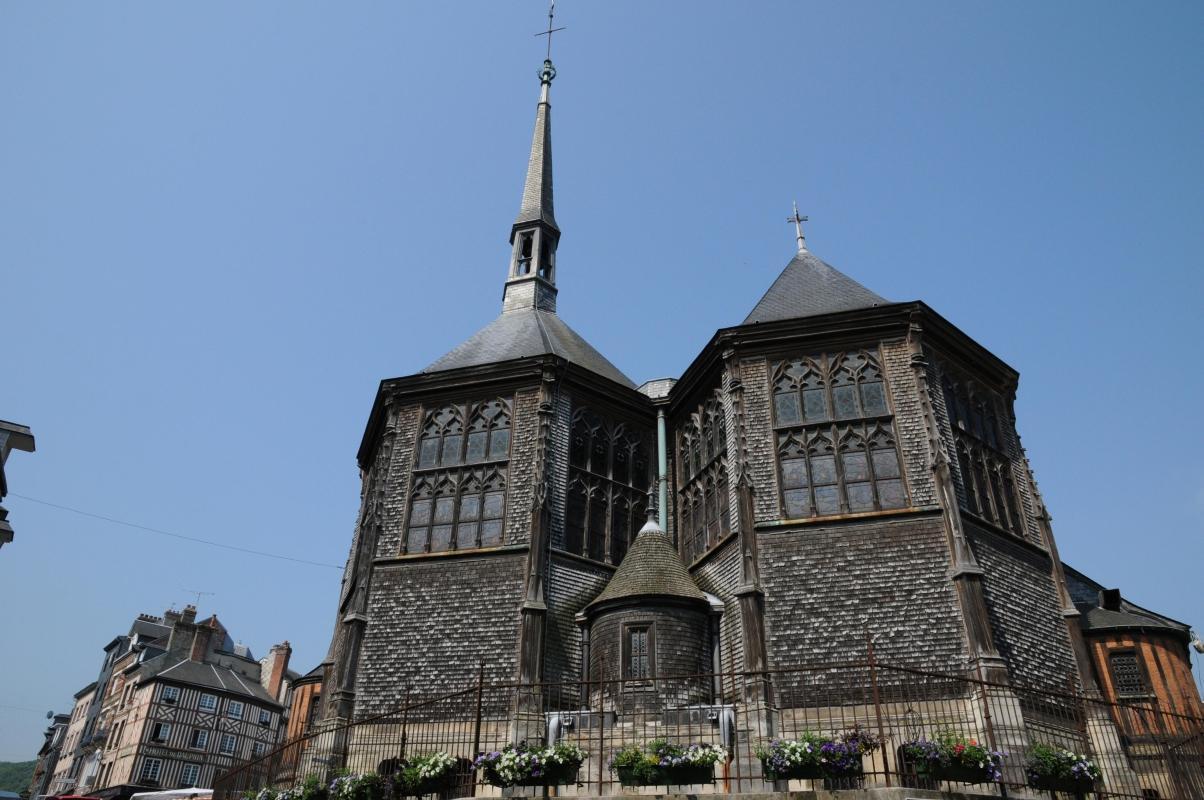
458 498
608 477
839 454
704 509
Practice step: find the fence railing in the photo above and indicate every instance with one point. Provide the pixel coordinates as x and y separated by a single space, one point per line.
1144 751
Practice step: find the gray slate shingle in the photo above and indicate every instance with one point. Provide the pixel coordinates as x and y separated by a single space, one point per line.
526 332
809 286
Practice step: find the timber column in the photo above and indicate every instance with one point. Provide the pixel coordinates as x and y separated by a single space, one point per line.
534 608
749 594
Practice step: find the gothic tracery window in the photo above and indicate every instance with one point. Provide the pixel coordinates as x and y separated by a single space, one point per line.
837 451
458 497
986 473
608 479
703 505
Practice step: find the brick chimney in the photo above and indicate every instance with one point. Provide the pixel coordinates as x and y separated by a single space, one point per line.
189 613
275 667
202 637
171 617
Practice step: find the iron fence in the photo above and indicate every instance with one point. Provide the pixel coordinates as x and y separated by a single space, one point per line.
1144 751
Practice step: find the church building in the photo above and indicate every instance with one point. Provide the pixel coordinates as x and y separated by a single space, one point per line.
835 469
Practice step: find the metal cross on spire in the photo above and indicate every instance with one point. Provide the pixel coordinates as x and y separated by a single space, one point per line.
798 228
548 33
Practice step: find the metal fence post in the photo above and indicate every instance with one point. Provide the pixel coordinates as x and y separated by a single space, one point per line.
869 646
405 715
601 724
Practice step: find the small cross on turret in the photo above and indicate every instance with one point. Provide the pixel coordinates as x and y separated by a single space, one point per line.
548 33
798 228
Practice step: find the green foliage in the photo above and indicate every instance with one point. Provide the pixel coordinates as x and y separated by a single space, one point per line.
1048 763
16 775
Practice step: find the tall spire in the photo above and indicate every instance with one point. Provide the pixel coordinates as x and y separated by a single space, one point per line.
531 282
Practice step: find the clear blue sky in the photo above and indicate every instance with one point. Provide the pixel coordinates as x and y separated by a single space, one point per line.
222 224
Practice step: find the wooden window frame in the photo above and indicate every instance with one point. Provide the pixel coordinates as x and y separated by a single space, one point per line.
1142 675
444 479
637 683
702 465
144 778
601 489
831 432
185 783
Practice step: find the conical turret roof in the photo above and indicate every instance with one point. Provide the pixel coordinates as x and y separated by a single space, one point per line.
809 286
651 568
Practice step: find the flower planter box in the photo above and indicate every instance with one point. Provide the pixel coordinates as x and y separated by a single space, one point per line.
685 775
431 786
849 779
553 775
803 772
1075 786
955 773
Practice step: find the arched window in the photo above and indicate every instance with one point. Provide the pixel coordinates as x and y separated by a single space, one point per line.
488 433
703 503
621 526
442 438
837 452
454 504
597 523
608 474
984 466
967 474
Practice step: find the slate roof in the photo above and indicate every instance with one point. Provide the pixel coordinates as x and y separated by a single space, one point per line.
525 332
810 286
1086 593
211 676
1128 616
651 568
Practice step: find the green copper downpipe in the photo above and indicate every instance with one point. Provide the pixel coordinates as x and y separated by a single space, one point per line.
662 468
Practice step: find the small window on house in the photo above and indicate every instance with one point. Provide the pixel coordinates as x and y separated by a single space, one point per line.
208 702
234 710
190 776
638 659
1126 674
200 738
160 731
265 717
258 749
151 768
171 695
227 744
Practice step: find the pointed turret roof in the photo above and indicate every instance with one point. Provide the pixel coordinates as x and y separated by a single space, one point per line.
810 286
528 325
526 332
652 568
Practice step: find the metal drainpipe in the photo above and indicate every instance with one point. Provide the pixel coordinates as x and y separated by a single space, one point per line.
662 466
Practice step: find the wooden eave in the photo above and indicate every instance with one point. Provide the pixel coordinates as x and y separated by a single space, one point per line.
519 372
877 322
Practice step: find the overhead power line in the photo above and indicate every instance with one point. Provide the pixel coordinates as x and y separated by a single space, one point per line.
161 532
